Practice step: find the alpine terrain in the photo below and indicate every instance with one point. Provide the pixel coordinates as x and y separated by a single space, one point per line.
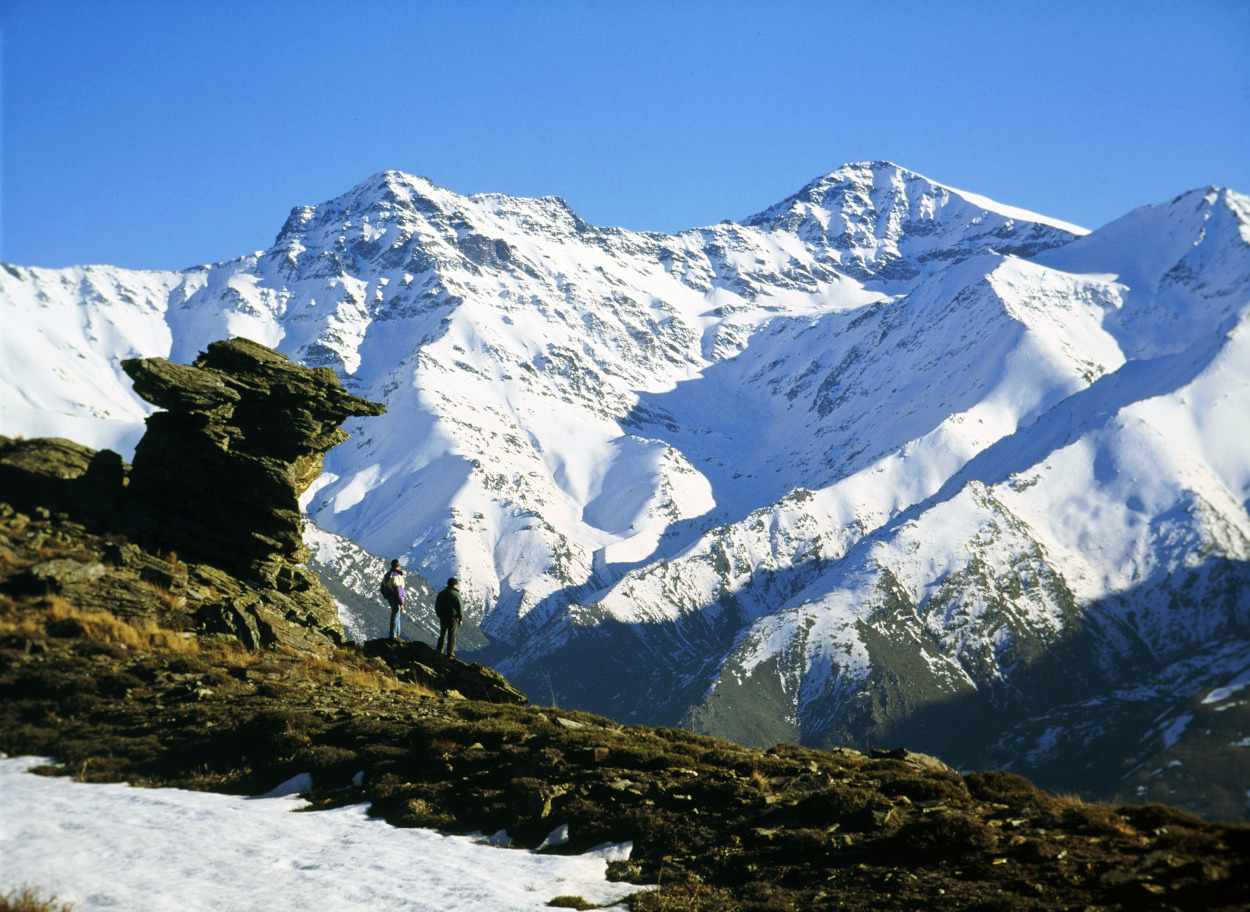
887 464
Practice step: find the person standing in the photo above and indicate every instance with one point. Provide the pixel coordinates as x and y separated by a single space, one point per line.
393 592
450 613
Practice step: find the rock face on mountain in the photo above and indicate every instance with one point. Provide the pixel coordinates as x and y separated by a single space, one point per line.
219 473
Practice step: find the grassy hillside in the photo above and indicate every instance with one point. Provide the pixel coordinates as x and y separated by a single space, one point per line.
112 663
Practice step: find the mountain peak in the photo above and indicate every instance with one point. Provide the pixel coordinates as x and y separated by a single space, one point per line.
883 185
880 222
886 405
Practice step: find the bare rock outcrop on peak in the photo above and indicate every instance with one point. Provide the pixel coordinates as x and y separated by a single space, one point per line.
419 662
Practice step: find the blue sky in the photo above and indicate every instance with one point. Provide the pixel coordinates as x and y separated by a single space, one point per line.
159 134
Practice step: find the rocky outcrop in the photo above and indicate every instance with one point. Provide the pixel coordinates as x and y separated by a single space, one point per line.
59 475
420 663
220 471
213 496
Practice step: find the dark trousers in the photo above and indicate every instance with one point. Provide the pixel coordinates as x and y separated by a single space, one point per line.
447 634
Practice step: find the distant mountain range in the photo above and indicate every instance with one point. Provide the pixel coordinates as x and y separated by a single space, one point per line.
885 464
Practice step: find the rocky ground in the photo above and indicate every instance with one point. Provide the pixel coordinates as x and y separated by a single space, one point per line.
115 661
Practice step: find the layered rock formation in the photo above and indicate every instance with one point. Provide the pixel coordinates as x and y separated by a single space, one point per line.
220 471
217 480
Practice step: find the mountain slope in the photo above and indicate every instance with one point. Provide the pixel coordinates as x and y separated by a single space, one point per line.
883 462
117 681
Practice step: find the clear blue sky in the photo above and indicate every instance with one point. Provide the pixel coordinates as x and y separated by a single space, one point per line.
159 134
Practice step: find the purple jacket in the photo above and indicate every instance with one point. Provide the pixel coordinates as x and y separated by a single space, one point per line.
398 575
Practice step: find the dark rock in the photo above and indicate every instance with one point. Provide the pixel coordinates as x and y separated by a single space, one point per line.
912 758
419 662
179 387
61 476
233 617
220 473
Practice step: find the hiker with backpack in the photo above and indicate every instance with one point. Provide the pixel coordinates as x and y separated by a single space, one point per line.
392 587
450 613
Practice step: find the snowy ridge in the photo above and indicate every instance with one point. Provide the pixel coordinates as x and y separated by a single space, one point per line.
877 453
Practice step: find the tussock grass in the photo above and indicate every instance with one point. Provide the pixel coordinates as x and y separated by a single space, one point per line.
55 616
691 897
52 615
29 899
347 668
363 678
16 623
1002 787
167 599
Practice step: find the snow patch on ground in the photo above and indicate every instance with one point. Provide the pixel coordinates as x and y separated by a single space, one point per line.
117 847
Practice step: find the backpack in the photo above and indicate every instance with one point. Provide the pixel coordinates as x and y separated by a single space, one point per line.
387 586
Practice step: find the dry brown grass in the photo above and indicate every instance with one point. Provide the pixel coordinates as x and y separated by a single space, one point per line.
230 653
365 679
34 619
167 599
1090 817
29 899
350 669
105 627
13 621
54 615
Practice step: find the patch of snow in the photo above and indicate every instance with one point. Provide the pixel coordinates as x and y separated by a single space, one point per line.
1220 694
293 786
1175 729
104 847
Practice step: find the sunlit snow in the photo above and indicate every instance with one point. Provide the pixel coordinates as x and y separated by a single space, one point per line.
105 847
879 375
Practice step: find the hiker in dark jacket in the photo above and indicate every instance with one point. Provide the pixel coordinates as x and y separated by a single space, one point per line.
393 592
450 616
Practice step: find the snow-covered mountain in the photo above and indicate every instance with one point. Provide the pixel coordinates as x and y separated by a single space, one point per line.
886 463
